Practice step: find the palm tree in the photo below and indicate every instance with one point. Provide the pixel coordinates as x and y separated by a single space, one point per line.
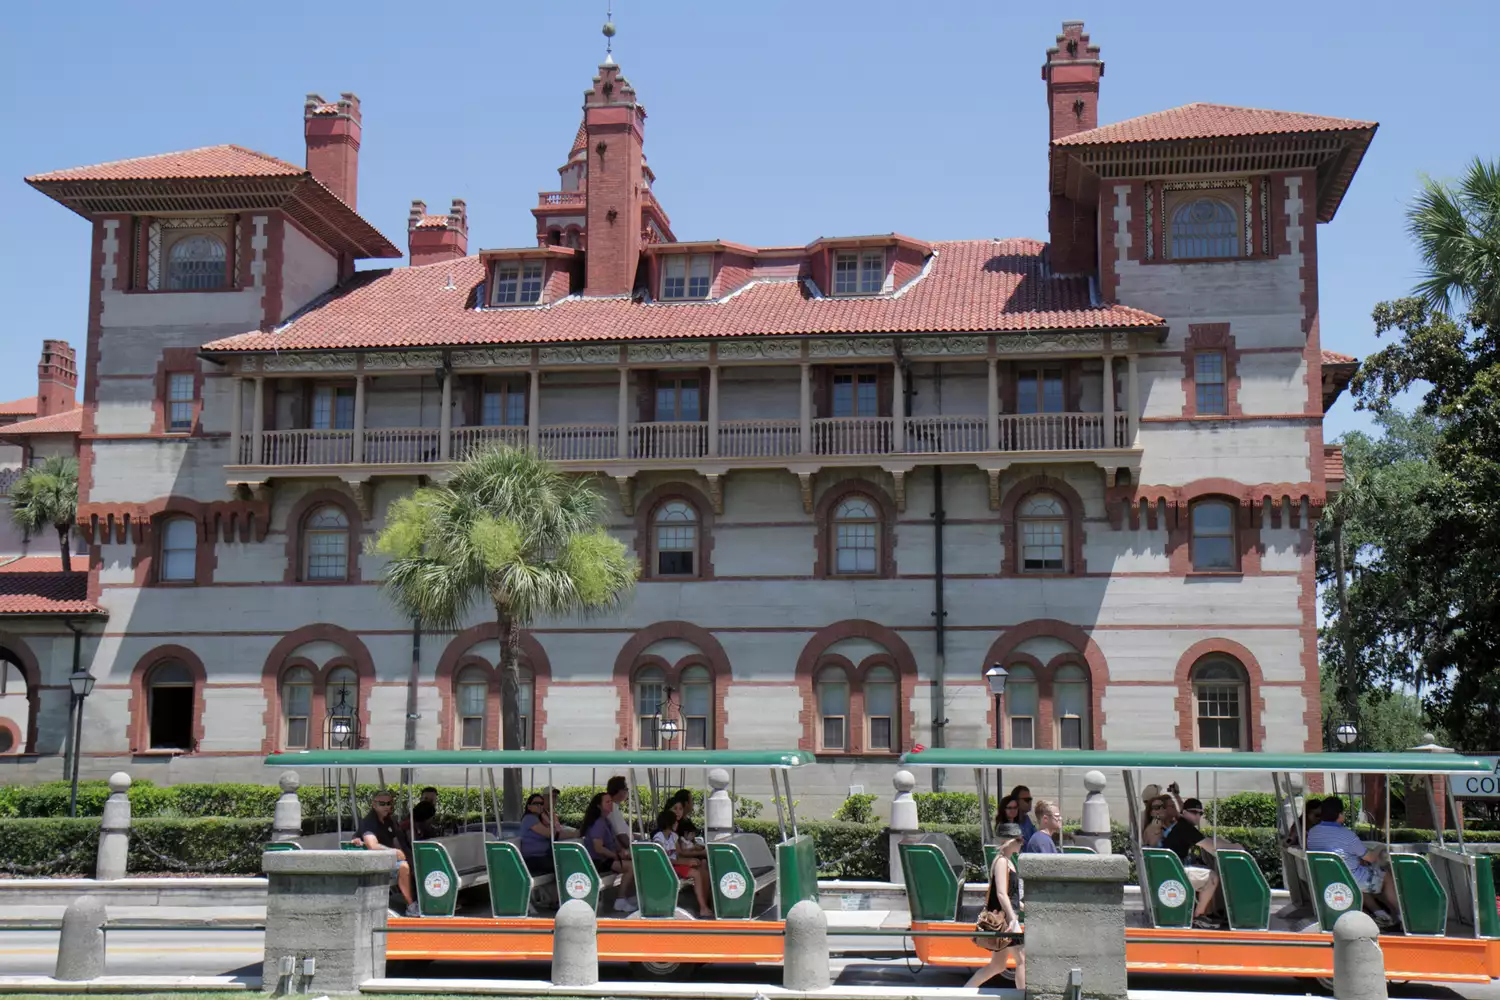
46 496
1457 231
510 528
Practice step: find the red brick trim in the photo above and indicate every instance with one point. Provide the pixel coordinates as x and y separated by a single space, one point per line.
1010 529
645 536
1041 726
176 360
272 279
152 533
1255 703
825 537
897 656
138 710
226 519
1092 657
294 535
1211 337
1248 545
7 726
456 656
280 658
25 661
633 656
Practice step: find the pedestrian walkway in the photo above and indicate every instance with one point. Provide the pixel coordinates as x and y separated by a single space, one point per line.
45 917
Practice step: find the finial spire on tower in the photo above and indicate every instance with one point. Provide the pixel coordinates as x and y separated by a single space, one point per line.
609 33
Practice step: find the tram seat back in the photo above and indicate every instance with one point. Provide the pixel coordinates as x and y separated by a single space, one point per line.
656 882
1078 849
437 878
1424 902
510 880
1294 876
738 867
1488 891
1166 888
1247 895
577 878
1468 878
797 872
933 889
1334 892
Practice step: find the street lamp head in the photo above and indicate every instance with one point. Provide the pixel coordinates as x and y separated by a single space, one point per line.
1346 733
82 683
995 676
668 730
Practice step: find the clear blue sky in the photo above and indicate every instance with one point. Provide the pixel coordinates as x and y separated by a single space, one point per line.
773 122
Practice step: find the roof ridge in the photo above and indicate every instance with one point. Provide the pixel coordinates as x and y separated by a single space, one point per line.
265 156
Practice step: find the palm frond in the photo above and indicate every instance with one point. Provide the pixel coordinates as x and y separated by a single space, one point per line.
46 495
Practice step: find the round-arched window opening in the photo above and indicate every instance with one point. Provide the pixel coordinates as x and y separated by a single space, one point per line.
196 263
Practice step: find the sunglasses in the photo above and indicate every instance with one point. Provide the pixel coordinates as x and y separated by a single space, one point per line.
381 805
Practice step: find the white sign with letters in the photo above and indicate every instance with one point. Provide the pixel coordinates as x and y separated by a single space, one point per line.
1476 786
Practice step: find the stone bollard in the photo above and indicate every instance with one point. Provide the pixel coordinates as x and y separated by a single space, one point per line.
114 830
286 824
80 948
718 811
1095 831
1075 919
327 906
1358 964
904 823
575 945
806 966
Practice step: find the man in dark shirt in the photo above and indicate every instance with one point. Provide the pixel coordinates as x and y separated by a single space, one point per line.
1183 838
379 832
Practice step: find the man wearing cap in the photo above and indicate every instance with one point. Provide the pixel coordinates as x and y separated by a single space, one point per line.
1183 838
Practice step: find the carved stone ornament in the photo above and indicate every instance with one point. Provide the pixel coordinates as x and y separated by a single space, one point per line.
249 364
308 362
659 353
759 350
403 359
626 487
977 346
851 347
1049 343
592 354
510 357
716 492
898 481
1119 341
994 475
364 497
805 483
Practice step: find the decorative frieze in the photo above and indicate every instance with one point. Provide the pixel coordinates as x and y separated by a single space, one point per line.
760 350
403 359
589 354
1119 341
308 362
504 357
1049 343
965 346
851 347
656 354
249 363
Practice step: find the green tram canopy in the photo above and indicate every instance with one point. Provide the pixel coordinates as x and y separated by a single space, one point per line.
1129 760
729 759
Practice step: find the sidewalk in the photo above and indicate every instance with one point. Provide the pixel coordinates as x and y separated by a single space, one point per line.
144 917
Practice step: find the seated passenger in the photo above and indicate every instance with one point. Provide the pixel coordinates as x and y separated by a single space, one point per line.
539 828
423 821
1183 838
379 832
666 836
1364 864
1048 829
605 850
1312 815
618 791
1161 813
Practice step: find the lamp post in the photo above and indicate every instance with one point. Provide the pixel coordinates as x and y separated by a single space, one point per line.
1347 733
82 684
667 731
995 678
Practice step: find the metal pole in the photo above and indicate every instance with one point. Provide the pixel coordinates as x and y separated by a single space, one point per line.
413 679
77 716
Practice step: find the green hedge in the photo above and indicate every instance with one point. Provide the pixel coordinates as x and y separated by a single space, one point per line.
45 847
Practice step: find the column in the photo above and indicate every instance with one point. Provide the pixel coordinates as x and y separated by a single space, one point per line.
898 408
713 410
1074 921
1110 441
258 422
622 418
1132 399
359 419
236 416
534 411
445 418
322 905
992 404
806 412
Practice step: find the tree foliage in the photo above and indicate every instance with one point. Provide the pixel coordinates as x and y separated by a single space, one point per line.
46 496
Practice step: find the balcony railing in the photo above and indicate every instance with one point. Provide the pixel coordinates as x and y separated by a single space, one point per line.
545 198
690 440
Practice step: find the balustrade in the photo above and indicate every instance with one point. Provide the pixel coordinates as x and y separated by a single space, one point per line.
934 435
401 445
1051 431
468 440
307 447
759 438
580 442
852 435
669 439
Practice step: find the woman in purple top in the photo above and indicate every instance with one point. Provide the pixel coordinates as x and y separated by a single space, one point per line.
599 840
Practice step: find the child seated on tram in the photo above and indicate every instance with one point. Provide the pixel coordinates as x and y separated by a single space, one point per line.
685 867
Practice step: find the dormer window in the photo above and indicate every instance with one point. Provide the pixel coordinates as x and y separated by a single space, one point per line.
518 283
861 273
686 276
188 255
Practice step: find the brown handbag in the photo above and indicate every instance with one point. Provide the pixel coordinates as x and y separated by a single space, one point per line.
989 922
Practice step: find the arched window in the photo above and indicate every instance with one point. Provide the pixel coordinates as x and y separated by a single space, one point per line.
526 699
473 696
676 539
325 544
342 698
833 709
196 263
179 550
1205 228
1213 544
856 537
296 708
1044 534
1070 707
650 699
880 709
1021 706
1219 698
169 706
15 706
697 708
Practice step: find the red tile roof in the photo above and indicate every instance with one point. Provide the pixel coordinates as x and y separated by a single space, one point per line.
580 140
209 161
19 407
971 286
326 109
32 564
1335 358
1208 121
66 422
46 594
432 222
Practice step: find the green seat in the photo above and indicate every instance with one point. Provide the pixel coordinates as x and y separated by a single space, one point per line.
510 880
1333 888
797 872
1489 898
656 882
437 879
352 845
283 845
933 892
577 878
1075 849
1247 894
1424 902
737 868
1167 888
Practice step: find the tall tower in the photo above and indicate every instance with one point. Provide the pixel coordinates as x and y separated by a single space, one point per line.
1072 73
615 129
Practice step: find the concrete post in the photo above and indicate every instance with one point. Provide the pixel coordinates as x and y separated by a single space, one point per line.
575 945
1095 831
114 830
806 963
718 811
80 949
1075 919
327 906
534 412
904 823
804 408
286 824
445 418
1358 964
1109 402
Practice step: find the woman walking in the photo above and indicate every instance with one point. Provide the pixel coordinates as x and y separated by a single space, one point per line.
1002 910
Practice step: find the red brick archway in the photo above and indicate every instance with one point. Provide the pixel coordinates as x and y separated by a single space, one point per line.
25 661
632 657
897 656
1255 703
138 709
457 656
1088 655
280 659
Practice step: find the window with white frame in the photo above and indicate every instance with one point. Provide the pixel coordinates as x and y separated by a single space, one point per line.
341 694
686 276
833 709
856 537
676 531
1044 534
1205 228
325 544
504 403
880 709
1022 703
182 392
518 283
473 690
1070 707
296 708
526 698
697 708
1219 697
1213 541
1208 382
650 700
179 551
858 272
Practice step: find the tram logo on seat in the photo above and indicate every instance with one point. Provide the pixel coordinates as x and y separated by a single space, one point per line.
1172 893
1338 896
436 883
578 885
732 885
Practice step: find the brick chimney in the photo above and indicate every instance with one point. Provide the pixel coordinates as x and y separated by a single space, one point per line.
433 238
333 131
56 379
1072 73
615 126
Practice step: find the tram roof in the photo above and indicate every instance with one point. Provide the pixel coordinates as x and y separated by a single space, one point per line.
1354 763
779 759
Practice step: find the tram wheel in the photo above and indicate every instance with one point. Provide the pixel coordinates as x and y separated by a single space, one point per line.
664 972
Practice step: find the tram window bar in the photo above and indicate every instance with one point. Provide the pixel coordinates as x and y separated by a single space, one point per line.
688 927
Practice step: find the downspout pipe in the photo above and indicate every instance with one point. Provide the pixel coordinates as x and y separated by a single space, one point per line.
412 680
